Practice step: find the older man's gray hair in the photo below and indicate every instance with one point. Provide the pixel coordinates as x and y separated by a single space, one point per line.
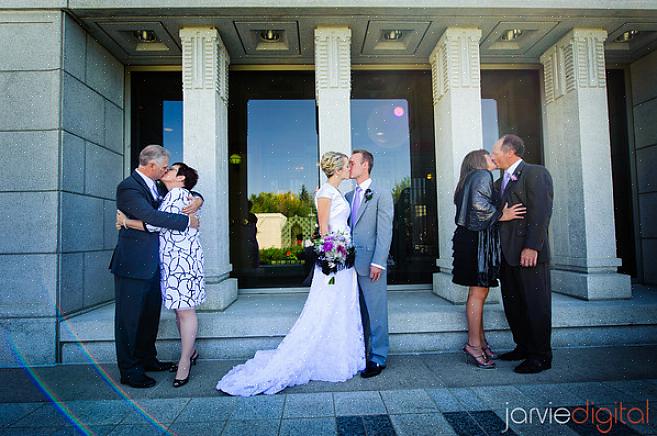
153 152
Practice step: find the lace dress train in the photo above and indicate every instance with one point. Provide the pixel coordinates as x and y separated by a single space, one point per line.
326 342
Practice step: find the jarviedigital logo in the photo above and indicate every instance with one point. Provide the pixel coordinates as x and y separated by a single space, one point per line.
602 418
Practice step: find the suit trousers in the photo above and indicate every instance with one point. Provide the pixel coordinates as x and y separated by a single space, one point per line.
373 297
527 299
136 321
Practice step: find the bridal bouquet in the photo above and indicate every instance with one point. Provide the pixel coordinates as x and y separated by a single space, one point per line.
334 253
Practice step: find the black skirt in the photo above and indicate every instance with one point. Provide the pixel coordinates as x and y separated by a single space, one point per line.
465 245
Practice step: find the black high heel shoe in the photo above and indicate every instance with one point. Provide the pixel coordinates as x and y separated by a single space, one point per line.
174 368
178 382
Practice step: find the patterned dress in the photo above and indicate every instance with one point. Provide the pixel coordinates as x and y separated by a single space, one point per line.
181 258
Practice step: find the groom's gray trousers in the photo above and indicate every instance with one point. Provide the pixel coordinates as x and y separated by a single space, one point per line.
374 313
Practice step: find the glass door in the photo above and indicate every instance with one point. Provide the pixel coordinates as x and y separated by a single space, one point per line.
392 117
273 176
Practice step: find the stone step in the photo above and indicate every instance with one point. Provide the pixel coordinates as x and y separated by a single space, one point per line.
419 322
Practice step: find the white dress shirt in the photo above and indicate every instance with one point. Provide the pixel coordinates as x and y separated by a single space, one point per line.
151 185
512 168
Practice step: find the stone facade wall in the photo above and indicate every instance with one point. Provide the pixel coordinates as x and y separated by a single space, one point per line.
91 167
61 142
29 190
644 99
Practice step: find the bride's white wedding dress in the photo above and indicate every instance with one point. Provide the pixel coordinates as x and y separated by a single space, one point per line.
325 343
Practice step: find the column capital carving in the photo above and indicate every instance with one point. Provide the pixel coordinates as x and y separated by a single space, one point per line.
332 59
455 61
576 61
205 60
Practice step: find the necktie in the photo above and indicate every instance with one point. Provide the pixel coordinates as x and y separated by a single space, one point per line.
154 191
505 181
355 204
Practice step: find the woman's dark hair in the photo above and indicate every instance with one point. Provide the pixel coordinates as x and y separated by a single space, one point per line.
191 176
475 160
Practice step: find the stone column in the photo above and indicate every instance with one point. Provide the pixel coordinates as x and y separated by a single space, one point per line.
577 153
205 147
333 90
458 130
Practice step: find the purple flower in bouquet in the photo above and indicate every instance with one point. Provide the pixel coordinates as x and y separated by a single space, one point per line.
334 253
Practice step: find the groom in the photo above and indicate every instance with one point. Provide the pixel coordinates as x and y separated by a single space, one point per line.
371 230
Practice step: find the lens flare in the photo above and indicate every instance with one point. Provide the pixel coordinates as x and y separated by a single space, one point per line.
60 404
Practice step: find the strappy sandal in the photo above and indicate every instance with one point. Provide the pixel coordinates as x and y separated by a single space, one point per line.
490 354
480 360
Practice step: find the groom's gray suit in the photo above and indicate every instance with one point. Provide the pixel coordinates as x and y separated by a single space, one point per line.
371 233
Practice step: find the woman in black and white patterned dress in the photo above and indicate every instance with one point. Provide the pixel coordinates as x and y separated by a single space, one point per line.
181 264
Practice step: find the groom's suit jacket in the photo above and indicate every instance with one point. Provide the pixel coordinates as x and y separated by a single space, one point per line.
137 254
372 231
531 185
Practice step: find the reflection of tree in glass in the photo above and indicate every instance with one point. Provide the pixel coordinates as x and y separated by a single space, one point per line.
399 187
304 196
287 203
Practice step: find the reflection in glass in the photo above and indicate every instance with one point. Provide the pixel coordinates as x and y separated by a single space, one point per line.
172 129
382 128
515 94
490 123
281 178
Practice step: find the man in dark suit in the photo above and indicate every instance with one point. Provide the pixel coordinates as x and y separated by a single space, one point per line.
525 275
136 268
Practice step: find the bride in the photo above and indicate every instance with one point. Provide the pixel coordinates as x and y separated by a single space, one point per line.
326 342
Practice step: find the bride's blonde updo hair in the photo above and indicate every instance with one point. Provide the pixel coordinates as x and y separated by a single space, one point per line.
332 161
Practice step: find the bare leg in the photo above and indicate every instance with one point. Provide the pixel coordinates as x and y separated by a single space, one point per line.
474 313
188 327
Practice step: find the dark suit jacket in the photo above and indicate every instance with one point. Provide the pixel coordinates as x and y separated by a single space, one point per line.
137 253
533 188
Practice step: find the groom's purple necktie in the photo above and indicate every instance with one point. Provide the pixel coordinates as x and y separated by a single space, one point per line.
355 204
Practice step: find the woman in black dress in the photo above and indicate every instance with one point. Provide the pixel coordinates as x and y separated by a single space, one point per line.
477 246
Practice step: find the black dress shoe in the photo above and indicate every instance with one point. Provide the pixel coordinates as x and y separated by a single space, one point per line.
533 366
141 382
516 354
372 369
157 366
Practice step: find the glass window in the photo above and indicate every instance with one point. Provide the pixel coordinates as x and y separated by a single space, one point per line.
172 129
490 122
281 146
392 117
274 149
282 173
511 103
381 127
156 115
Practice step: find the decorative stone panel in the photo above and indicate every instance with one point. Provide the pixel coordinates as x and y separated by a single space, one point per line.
576 61
332 59
205 60
455 61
